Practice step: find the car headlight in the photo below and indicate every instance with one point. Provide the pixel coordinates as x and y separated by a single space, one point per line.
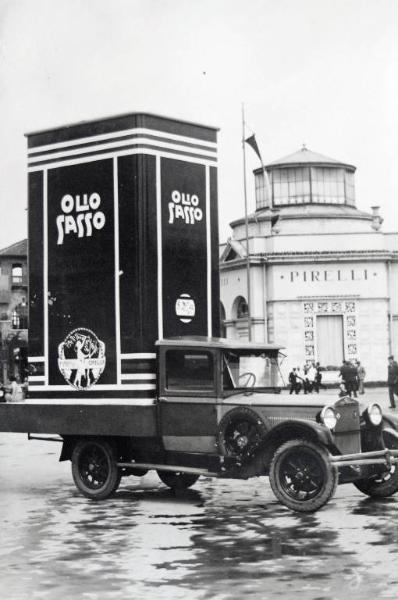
328 417
375 414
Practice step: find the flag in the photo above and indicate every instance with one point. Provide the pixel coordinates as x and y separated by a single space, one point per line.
252 142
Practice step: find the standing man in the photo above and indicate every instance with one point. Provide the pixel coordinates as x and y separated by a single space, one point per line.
361 377
392 379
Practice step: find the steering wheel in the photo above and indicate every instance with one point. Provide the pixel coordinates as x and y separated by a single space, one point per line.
250 378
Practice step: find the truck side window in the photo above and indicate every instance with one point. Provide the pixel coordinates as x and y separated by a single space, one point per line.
189 370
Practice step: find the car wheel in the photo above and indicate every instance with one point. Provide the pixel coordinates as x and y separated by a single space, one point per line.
177 480
94 469
384 484
301 476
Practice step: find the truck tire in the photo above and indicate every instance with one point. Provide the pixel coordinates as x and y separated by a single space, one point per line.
301 476
385 484
240 432
94 469
178 480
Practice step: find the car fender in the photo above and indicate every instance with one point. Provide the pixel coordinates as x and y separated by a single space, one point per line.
293 429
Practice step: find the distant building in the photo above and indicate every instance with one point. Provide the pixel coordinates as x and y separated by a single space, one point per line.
14 310
324 277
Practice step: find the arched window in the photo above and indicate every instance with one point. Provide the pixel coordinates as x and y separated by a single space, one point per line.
19 317
240 309
16 273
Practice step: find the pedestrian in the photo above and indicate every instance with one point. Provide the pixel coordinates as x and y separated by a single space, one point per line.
392 379
294 385
349 377
14 393
311 376
300 381
318 378
361 377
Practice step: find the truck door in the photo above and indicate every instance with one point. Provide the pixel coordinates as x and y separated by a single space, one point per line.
188 395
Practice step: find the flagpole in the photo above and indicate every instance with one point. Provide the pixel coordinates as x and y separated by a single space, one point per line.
246 228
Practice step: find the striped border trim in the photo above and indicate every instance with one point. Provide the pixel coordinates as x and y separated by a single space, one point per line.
197 159
123 134
94 401
96 388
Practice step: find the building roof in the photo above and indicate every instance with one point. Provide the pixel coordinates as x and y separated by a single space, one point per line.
17 249
306 156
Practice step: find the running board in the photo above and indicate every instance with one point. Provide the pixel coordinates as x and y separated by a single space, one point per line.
172 468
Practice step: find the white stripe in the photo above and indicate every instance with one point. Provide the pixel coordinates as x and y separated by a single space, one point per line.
143 151
94 401
45 270
138 376
138 355
36 378
117 267
208 234
110 145
122 133
99 387
33 359
159 241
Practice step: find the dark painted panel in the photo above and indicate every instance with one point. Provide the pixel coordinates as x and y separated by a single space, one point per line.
184 248
188 419
138 253
81 272
80 419
35 258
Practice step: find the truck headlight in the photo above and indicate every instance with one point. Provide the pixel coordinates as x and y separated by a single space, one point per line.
328 417
375 414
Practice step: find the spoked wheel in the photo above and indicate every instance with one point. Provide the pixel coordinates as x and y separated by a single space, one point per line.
240 433
386 483
94 469
302 477
177 480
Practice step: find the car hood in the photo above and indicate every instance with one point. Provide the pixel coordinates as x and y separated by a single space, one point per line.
266 399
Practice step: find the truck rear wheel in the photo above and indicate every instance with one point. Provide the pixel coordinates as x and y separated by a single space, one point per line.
94 469
301 476
178 480
385 484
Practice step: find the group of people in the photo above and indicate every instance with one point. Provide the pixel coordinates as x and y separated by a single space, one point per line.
14 391
352 378
309 379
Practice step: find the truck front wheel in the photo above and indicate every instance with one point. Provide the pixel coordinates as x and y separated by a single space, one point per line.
301 476
385 484
94 469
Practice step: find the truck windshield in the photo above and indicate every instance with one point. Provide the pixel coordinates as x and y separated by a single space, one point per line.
242 370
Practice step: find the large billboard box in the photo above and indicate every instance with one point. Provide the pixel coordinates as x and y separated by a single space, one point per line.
123 250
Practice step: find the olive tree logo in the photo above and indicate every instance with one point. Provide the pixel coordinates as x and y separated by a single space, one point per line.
81 358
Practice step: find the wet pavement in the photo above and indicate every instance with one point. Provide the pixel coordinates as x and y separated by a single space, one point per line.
218 540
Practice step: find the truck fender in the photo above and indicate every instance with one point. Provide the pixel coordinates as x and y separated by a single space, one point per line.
290 430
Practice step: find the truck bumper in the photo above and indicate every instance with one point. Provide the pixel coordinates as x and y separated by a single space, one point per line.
378 457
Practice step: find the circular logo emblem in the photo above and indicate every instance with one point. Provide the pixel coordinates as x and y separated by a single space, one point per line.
81 358
185 308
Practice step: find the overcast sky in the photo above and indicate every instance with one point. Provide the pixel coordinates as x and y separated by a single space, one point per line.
323 72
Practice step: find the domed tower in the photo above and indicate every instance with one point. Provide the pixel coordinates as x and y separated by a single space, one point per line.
305 177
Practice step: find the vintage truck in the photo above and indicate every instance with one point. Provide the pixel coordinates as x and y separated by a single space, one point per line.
127 368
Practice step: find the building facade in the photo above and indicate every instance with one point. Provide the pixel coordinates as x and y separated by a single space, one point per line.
323 274
13 311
